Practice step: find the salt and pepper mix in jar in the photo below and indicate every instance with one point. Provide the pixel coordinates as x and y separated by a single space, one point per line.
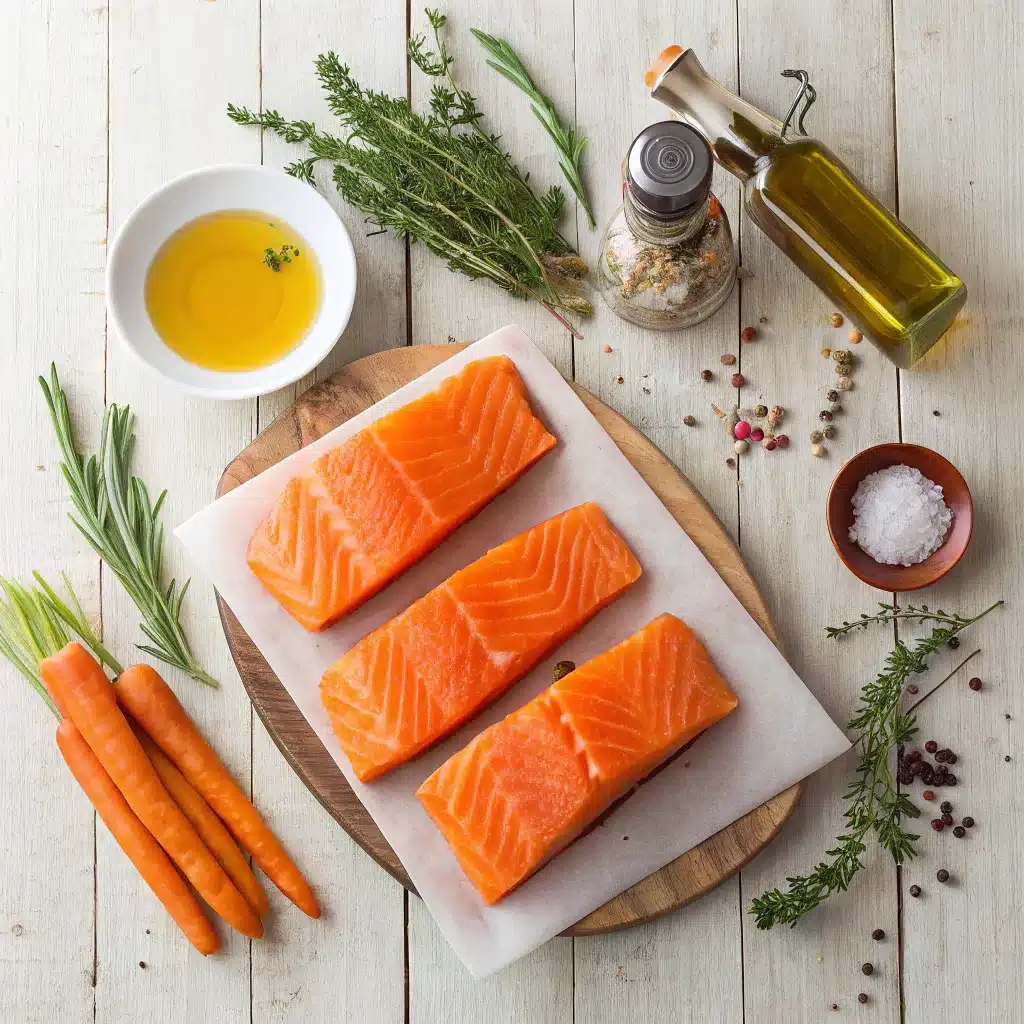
666 258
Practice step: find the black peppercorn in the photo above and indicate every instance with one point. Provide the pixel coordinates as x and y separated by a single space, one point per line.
943 755
832 395
927 774
1007 758
825 416
905 778
968 822
947 819
952 759
974 684
867 969
937 824
915 891
942 875
878 935
946 807
706 375
914 755
835 1006
959 831
931 746
913 689
862 997
954 642
950 780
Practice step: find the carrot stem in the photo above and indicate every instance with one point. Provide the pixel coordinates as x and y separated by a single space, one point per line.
152 704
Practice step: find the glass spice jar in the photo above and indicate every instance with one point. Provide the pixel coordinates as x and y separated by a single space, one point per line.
666 257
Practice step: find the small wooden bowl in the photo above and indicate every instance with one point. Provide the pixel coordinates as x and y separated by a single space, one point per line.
935 468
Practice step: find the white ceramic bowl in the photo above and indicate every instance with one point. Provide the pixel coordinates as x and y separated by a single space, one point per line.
230 187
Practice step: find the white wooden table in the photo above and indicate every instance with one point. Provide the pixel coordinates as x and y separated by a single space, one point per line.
104 101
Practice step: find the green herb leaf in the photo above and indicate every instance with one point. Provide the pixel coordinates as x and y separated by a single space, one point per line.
874 803
114 513
567 142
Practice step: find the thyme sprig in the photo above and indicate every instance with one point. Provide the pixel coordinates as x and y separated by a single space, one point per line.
568 142
439 178
874 803
114 513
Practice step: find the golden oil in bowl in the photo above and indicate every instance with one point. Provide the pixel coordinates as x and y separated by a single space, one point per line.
233 290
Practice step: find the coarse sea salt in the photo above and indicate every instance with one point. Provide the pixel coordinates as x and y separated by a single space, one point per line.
899 516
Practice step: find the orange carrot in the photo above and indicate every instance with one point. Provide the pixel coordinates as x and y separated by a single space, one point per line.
136 840
151 702
210 828
79 686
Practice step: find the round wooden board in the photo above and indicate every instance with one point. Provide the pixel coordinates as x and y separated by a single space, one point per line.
350 391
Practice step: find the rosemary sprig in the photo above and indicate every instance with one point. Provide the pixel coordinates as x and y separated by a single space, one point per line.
439 178
874 802
567 142
121 524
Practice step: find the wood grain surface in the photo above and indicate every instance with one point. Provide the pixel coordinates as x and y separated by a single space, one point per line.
351 390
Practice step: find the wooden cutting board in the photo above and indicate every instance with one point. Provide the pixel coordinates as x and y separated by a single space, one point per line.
351 390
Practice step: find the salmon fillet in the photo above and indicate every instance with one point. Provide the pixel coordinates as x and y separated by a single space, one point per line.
421 675
365 511
525 788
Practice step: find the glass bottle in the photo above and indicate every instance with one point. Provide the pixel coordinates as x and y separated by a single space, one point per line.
666 258
877 271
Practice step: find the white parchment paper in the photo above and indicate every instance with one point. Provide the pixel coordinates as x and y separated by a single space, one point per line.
778 735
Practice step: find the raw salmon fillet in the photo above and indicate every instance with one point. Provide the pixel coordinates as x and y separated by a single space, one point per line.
525 788
421 675
365 511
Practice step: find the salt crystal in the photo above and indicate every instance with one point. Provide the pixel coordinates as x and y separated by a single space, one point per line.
899 516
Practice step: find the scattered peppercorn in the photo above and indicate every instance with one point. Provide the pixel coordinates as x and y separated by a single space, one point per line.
974 684
959 831
905 777
782 440
952 759
841 356
738 380
757 434
946 807
942 875
775 415
619 379
913 689
832 395
142 964
706 375
931 746
728 359
769 444
763 319
829 431
968 822
741 430
1007 716
1007 758
741 447
947 819
826 352
730 462
646 390
690 421
943 754
878 934
915 891
914 755
844 382
950 779
862 997
825 416
607 348
835 1006
818 451
760 411
938 824
854 336
562 669
748 334
867 969
935 412
816 436
954 643
836 319
928 795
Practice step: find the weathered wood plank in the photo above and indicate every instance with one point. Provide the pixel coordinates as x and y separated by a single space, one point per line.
173 69
52 202
634 974
447 305
958 120
305 966
797 974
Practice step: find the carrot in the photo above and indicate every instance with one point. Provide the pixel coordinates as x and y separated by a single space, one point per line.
78 685
151 702
210 828
136 840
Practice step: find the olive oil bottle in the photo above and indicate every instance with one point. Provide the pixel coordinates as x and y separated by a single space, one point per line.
874 268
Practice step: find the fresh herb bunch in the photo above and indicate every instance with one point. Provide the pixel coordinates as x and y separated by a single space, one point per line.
439 178
569 144
874 804
121 524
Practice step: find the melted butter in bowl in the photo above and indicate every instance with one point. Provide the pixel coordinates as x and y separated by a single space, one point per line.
233 290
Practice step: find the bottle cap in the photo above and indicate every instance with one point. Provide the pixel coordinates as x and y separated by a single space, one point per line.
668 169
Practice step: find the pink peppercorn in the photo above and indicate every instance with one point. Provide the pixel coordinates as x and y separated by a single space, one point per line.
782 440
738 380
757 434
769 444
741 431
748 334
